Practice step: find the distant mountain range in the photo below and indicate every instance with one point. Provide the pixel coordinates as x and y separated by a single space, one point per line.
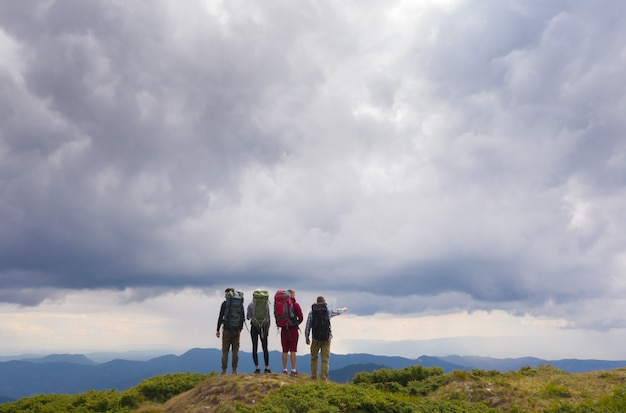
76 373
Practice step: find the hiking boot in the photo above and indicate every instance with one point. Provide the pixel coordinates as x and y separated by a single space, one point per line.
257 371
267 371
294 374
234 371
285 372
223 371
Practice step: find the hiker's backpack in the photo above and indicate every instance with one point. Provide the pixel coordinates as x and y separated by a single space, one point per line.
233 314
260 309
320 322
283 309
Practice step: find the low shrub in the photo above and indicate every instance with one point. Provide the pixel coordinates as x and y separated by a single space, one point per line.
162 388
557 390
401 376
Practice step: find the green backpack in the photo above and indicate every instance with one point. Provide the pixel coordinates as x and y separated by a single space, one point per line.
260 309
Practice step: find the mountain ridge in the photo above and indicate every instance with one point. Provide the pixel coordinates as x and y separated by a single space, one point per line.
75 373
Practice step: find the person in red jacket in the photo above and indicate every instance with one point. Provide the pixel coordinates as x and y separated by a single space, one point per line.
289 336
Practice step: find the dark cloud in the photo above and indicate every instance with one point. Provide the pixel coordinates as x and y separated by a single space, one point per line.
459 151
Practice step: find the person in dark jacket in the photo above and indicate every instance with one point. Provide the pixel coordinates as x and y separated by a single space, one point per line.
230 334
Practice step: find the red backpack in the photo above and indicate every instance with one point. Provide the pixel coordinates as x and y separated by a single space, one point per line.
283 309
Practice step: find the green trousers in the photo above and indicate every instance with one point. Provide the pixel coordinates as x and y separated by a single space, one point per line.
320 347
230 339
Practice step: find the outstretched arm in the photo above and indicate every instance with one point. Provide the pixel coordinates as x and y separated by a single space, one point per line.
338 311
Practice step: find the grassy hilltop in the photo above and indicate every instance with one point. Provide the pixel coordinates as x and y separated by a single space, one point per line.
411 389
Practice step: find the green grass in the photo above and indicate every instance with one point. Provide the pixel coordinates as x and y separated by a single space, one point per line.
412 389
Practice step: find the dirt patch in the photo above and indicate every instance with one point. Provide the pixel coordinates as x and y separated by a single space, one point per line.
218 390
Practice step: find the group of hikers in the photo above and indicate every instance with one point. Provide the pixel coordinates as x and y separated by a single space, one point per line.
288 316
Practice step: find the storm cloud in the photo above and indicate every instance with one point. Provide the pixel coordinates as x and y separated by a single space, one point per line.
427 150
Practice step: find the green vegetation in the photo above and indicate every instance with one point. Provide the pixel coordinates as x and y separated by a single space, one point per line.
156 390
414 380
162 388
335 398
412 389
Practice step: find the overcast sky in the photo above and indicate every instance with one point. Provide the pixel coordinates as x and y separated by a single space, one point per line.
452 171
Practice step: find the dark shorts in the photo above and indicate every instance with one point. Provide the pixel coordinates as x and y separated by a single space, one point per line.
289 339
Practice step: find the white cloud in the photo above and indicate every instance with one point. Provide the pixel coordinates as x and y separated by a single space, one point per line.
175 322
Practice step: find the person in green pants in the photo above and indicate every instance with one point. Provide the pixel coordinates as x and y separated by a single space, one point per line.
318 326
